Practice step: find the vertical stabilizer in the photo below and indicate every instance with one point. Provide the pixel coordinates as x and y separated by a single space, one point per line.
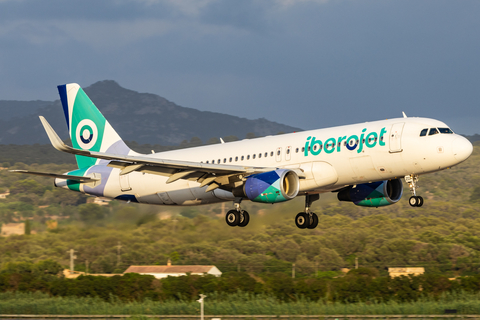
88 128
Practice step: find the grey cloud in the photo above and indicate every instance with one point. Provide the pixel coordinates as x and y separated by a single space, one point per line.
305 63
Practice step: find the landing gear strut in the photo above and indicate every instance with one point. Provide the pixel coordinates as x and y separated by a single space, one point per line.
237 216
414 201
307 219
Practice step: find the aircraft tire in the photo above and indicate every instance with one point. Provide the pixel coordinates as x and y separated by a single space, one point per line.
413 201
302 221
232 218
419 201
246 219
314 222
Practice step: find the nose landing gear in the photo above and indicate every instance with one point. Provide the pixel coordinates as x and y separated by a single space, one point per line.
307 219
414 201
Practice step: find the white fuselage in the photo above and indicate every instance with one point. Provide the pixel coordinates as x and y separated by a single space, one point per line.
384 150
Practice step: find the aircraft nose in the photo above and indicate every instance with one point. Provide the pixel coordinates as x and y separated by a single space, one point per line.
462 148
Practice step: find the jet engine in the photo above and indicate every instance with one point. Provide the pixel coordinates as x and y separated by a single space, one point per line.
271 187
375 194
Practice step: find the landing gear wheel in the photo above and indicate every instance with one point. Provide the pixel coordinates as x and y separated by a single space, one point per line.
313 222
413 201
246 219
233 218
419 201
302 220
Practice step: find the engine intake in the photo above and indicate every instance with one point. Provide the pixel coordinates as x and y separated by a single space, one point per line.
273 186
375 194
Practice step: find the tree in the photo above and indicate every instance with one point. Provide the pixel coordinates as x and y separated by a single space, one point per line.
475 197
91 212
27 227
27 186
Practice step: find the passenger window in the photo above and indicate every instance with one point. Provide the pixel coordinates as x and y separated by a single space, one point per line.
253 157
230 159
445 130
433 131
219 161
213 161
243 158
278 152
288 151
248 157
259 155
303 149
423 133
296 150
207 161
236 158
266 154
315 148
271 154
224 160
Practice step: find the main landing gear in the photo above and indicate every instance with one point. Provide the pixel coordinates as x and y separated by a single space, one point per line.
237 216
414 201
307 219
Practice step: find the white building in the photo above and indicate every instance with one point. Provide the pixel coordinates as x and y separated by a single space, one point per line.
174 271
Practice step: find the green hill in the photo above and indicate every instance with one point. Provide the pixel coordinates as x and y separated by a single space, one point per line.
443 235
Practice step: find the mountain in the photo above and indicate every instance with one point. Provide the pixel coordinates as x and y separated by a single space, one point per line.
141 117
11 109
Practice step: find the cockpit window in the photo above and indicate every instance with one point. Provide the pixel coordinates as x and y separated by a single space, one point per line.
423 133
445 130
433 131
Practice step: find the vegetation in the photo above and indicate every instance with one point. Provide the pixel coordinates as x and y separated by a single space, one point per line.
443 236
39 288
41 303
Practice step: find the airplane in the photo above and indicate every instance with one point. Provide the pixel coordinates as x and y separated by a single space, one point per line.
363 163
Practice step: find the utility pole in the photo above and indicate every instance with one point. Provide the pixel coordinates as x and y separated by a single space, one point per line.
356 263
119 259
202 296
72 257
293 271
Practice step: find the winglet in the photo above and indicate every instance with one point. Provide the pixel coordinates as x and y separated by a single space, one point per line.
56 142
404 115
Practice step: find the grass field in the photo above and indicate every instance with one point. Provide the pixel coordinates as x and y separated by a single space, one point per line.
236 304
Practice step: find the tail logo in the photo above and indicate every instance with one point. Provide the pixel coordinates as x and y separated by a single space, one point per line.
86 134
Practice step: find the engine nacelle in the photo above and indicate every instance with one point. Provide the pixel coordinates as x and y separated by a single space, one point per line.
375 194
273 186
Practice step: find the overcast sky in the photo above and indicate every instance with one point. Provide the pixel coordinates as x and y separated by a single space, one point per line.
306 63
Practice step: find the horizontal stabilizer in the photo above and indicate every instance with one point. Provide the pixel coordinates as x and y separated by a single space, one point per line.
54 175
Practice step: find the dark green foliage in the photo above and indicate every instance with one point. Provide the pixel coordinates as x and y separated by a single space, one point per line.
355 287
475 197
90 212
27 186
28 228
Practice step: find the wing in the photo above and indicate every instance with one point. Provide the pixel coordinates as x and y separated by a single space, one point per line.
214 175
